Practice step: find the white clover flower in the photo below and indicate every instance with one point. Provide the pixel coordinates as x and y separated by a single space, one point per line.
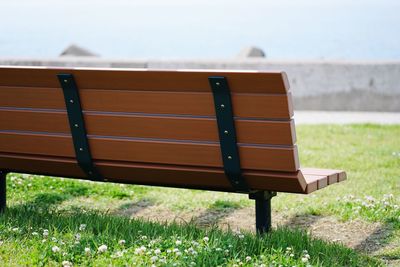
178 242
178 253
121 242
87 251
102 249
66 264
307 256
35 233
304 259
218 249
15 229
248 258
157 251
241 236
45 233
192 263
206 239
175 250
82 227
55 249
194 243
143 237
154 259
291 255
78 237
140 250
288 249
169 251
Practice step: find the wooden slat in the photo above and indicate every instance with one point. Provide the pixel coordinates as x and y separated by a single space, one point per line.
182 153
152 174
334 176
178 128
315 182
197 104
146 80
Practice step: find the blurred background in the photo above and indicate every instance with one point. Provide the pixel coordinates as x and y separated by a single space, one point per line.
339 55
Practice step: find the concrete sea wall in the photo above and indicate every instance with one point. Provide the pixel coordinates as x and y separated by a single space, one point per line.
316 85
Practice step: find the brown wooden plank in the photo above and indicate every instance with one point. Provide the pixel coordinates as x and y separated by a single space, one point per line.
160 127
182 153
153 174
334 176
197 104
315 182
146 80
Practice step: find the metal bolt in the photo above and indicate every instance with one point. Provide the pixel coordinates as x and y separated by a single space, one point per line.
222 105
226 132
229 157
80 149
217 83
65 81
71 101
76 125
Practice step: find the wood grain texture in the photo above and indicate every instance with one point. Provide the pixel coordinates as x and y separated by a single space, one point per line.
153 174
139 126
145 151
146 80
262 106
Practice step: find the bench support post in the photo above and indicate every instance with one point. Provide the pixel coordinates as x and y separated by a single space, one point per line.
3 191
263 210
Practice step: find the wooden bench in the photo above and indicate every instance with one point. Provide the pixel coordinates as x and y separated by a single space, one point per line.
227 131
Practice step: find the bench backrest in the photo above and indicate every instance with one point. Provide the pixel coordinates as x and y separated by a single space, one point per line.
150 127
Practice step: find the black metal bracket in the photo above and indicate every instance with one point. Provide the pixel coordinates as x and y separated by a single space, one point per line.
263 210
77 126
227 133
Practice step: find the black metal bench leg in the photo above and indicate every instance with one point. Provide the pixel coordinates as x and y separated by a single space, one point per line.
3 191
263 210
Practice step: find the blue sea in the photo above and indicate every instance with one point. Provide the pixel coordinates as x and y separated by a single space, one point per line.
180 29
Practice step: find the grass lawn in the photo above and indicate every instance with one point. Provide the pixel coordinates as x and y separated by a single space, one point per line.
54 221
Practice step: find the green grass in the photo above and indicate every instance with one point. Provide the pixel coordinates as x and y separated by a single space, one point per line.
369 153
23 231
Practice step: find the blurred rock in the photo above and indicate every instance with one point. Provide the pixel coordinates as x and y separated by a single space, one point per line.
251 51
77 51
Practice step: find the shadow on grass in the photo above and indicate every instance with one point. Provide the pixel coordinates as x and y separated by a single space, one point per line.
132 209
376 240
371 242
216 212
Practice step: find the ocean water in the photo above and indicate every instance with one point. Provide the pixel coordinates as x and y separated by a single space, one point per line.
285 29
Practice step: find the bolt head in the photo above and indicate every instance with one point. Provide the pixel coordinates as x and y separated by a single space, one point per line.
229 157
226 132
76 125
71 101
80 149
65 81
222 106
217 84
